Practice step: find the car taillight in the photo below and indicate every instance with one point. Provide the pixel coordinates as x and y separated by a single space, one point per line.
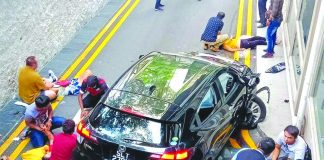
172 155
85 132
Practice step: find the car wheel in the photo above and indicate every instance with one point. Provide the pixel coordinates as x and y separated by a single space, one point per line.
257 110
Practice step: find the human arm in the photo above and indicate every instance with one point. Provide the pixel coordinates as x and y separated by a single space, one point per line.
276 152
32 125
50 116
80 100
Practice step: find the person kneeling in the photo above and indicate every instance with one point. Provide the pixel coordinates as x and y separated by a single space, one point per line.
39 118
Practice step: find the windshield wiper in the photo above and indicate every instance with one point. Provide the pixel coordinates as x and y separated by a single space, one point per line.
128 140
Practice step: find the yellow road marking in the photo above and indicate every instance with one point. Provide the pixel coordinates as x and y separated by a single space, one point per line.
24 143
247 138
107 39
222 134
234 143
247 59
94 41
239 27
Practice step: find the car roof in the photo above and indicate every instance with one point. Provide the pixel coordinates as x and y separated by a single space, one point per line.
159 83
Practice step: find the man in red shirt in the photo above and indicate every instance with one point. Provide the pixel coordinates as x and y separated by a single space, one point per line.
64 143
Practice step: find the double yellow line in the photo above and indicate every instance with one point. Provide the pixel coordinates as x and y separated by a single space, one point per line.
247 58
75 64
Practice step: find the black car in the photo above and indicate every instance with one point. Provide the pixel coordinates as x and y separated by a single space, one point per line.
171 107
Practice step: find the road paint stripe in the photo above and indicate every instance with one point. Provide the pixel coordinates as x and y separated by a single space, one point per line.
107 39
23 144
239 28
77 116
247 58
67 73
94 41
248 139
234 143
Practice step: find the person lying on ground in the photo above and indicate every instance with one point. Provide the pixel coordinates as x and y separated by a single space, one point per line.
31 84
244 42
289 145
64 143
39 118
265 147
95 88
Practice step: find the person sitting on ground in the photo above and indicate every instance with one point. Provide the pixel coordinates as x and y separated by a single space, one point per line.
265 147
244 42
39 118
213 29
31 84
66 140
95 88
289 145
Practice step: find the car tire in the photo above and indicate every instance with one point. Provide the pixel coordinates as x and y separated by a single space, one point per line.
261 106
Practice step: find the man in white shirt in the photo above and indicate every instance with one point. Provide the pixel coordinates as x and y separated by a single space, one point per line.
289 145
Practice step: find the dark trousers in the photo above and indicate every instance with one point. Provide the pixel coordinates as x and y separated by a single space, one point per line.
157 4
38 138
253 42
262 4
272 34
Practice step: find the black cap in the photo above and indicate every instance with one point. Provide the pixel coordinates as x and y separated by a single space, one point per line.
42 101
92 81
220 15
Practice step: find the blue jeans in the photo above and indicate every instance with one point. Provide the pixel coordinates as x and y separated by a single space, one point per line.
272 34
37 137
157 4
262 9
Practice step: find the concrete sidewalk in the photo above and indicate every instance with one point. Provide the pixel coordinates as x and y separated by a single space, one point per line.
278 112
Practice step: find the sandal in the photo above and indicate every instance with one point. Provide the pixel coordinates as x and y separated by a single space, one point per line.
205 46
214 49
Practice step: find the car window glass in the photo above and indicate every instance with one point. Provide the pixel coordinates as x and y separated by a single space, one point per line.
207 105
227 82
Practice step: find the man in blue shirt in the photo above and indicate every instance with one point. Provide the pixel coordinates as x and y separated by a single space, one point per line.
265 147
213 28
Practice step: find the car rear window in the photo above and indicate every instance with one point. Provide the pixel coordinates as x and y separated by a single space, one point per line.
116 125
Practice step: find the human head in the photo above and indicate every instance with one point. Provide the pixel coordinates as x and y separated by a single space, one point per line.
31 62
267 145
42 102
92 81
68 126
290 134
220 15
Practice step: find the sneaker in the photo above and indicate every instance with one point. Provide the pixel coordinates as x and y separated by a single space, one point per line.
52 75
158 9
267 55
26 133
161 5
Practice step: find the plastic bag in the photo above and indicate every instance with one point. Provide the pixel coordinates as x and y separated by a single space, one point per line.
35 154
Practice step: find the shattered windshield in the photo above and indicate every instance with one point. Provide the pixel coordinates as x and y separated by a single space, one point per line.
121 126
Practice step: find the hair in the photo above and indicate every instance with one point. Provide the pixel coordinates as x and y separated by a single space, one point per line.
220 15
68 126
31 60
42 101
267 145
292 130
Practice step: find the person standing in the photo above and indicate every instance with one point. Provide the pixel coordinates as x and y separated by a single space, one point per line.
265 147
289 145
158 5
274 21
31 84
211 32
262 5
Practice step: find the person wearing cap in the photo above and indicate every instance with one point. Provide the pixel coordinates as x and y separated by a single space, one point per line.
66 140
94 88
31 84
265 147
39 118
212 33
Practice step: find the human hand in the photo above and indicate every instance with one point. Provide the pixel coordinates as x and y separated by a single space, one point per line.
49 124
268 22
